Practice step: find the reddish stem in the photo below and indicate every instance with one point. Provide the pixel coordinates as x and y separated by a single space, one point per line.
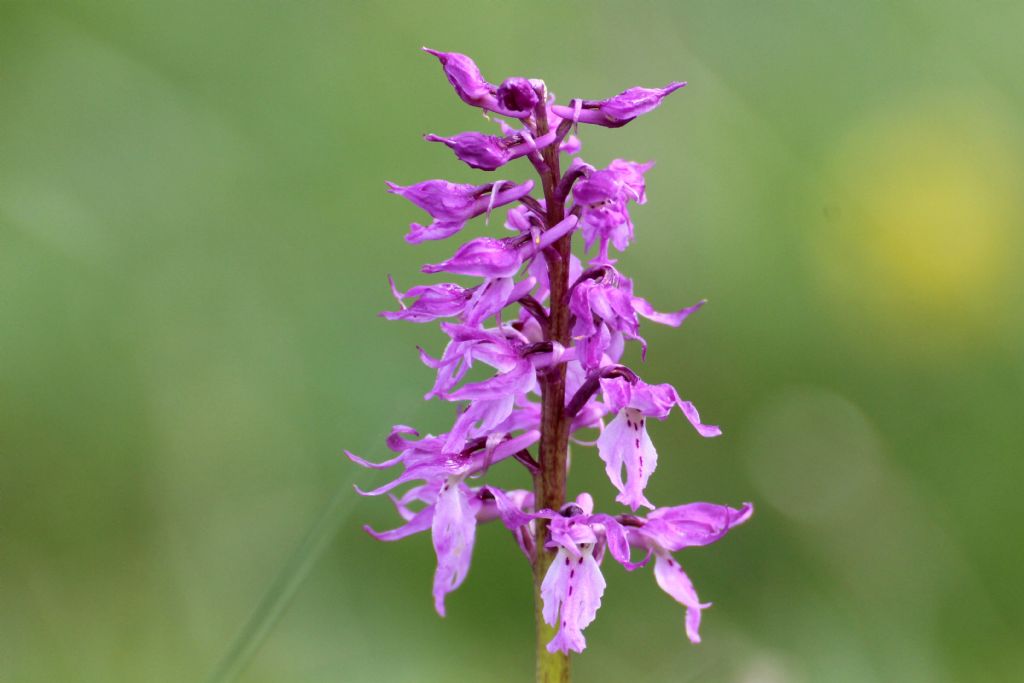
549 483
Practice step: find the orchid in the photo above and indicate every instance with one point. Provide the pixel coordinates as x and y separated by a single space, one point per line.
603 197
452 205
605 314
552 329
619 110
490 152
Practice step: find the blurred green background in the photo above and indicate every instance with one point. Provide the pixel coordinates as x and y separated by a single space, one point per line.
194 238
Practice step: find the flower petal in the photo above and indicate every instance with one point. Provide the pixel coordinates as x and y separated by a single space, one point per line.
625 443
694 417
454 532
420 522
644 308
374 465
571 592
465 77
619 110
482 257
674 581
695 524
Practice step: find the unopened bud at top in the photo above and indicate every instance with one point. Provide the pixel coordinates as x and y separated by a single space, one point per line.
517 95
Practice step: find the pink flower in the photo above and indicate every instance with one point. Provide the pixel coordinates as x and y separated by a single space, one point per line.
619 110
453 205
625 444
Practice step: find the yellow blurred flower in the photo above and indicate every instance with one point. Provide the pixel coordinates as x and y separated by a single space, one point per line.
923 199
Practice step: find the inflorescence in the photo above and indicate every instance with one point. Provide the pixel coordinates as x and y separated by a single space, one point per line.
553 329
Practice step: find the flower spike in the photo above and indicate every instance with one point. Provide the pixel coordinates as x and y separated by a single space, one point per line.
530 358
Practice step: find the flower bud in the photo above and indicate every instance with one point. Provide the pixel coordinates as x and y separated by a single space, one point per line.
619 110
517 96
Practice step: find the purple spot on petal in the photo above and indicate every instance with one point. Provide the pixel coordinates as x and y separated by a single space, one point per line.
638 443
570 590
567 561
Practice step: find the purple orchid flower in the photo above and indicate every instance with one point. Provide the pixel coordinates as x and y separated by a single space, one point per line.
451 507
573 586
492 401
465 77
452 512
603 197
668 530
453 205
619 110
518 96
490 152
512 98
449 300
428 460
432 302
501 348
490 258
606 311
625 444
